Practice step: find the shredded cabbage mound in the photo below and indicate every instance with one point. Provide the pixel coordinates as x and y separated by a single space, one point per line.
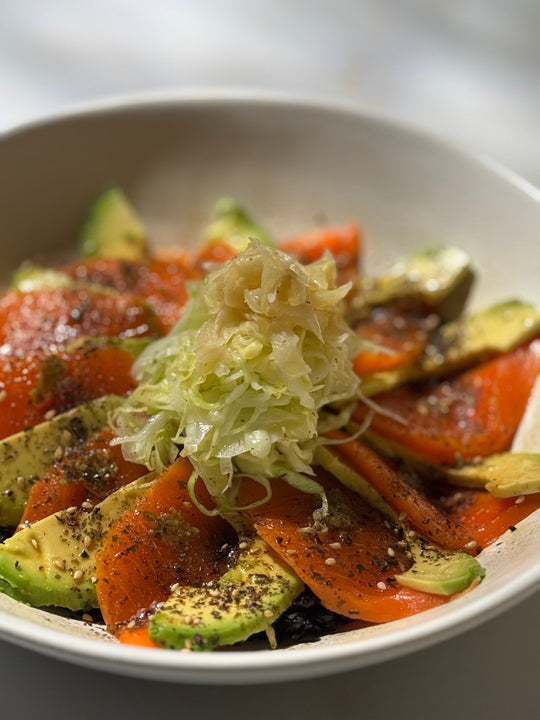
242 382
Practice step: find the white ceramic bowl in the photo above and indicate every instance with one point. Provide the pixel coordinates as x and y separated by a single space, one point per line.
290 162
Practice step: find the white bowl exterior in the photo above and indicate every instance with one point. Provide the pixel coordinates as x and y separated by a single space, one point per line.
293 164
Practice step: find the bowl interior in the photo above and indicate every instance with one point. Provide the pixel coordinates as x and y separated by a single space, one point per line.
295 165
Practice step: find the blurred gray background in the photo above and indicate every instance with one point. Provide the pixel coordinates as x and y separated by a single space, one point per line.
466 69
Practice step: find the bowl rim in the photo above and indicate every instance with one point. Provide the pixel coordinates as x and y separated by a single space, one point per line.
311 659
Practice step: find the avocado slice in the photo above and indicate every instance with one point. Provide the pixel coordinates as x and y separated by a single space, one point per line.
439 277
233 226
458 344
113 229
503 475
27 456
53 561
29 277
245 600
495 330
434 570
438 571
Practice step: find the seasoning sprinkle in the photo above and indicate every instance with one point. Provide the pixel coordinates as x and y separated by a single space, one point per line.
330 561
87 541
60 564
381 585
174 587
470 545
269 613
520 499
335 545
87 505
35 543
243 545
391 552
78 575
291 551
49 414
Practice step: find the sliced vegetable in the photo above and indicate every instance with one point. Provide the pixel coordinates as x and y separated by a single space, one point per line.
87 472
28 455
113 229
245 600
243 379
53 562
163 540
439 278
402 497
473 414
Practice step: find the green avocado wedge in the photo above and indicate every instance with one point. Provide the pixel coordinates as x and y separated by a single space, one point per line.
27 456
438 571
461 343
53 561
439 277
503 475
246 600
113 229
232 225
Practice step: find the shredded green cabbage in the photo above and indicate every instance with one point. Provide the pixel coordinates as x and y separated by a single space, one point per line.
243 382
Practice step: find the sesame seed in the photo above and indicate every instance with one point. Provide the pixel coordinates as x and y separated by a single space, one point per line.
131 624
330 561
87 541
391 552
401 544
21 482
470 545
87 505
3 395
58 453
188 620
243 545
291 551
520 499
381 585
93 580
35 543
335 546
402 516
71 510
87 618
8 367
78 575
187 644
411 534
213 593
268 613
66 435
49 414
235 593
224 547
60 564
174 587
